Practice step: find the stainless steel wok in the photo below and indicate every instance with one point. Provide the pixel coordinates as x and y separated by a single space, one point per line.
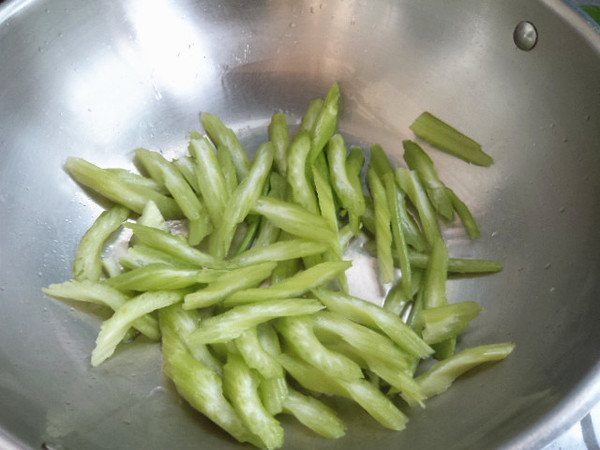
98 79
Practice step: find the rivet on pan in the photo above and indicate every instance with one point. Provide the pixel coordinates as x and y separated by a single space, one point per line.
525 35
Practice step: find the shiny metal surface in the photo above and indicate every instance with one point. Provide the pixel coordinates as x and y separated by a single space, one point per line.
98 79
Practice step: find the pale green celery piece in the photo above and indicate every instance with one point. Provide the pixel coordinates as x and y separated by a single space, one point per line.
140 255
383 232
295 220
184 323
158 276
420 162
111 267
371 315
109 185
152 217
268 233
448 321
232 323
187 166
302 192
310 117
411 185
309 377
296 285
279 135
241 388
368 218
255 356
223 136
465 215
113 329
242 200
314 414
362 338
200 386
88 258
380 161
354 165
397 376
351 196
398 239
228 283
278 251
273 392
210 179
396 300
172 245
412 233
445 137
299 335
135 179
439 378
227 167
166 172
101 294
326 122
458 265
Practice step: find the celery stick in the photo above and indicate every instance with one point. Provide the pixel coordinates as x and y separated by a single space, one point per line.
279 135
457 265
234 322
314 414
302 192
255 356
310 116
383 232
227 167
465 215
449 139
447 321
278 251
140 255
113 329
242 390
442 375
325 123
273 392
88 259
228 283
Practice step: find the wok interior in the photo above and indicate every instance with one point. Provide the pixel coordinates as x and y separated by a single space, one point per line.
100 80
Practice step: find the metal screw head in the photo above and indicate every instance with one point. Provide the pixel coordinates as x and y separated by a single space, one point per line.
525 35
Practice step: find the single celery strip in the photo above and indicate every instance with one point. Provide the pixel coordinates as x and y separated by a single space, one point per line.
223 136
465 215
140 255
167 174
210 179
383 233
310 117
172 245
232 323
351 198
302 282
448 321
295 220
458 265
187 166
88 258
398 239
299 335
255 356
437 192
409 182
445 137
302 191
227 167
198 230
325 123
380 161
111 186
371 315
157 276
354 165
228 283
134 179
200 386
101 294
279 251
241 388
273 392
113 329
439 378
242 200
151 217
314 414
279 135
268 233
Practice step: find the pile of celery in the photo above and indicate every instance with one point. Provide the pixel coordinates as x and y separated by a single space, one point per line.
251 304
